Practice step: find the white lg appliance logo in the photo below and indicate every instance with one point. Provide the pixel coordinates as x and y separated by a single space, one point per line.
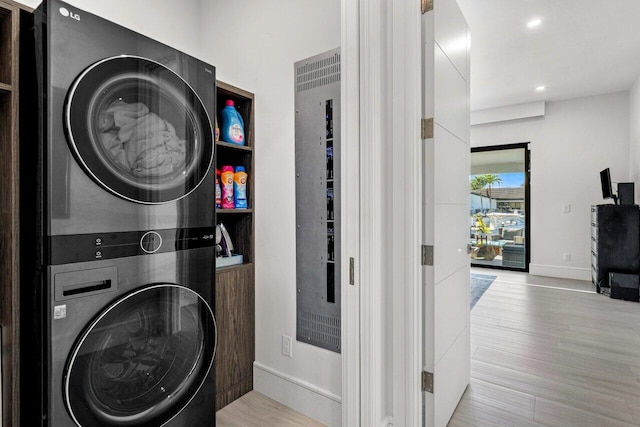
65 12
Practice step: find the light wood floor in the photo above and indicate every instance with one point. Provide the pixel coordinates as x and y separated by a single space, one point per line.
562 356
256 410
545 352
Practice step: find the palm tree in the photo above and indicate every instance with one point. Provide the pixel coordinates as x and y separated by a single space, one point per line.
490 180
478 182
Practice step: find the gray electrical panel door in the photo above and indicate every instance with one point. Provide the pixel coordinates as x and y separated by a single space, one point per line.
317 101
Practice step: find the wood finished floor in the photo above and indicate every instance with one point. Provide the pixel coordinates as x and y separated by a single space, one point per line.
545 352
551 352
256 410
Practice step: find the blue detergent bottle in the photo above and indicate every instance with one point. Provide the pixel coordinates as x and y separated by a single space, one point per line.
232 129
240 188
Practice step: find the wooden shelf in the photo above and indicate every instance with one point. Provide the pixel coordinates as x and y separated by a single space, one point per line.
234 146
235 314
234 267
9 214
233 211
244 104
235 284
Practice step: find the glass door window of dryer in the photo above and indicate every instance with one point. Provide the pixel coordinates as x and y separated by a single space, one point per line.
142 360
139 130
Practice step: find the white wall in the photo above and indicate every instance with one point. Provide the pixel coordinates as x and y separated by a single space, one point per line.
634 136
481 202
253 45
168 21
569 146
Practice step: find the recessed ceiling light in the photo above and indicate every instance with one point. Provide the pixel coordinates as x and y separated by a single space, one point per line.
534 23
540 88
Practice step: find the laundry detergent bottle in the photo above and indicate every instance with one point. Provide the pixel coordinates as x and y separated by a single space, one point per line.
218 190
232 129
226 178
240 188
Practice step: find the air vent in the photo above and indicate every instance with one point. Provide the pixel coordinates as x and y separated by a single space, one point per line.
325 71
320 330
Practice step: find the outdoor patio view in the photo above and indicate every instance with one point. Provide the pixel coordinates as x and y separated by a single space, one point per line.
497 209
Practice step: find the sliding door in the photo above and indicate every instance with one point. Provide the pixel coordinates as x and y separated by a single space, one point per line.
499 207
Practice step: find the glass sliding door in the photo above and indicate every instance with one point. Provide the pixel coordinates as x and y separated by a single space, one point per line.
499 199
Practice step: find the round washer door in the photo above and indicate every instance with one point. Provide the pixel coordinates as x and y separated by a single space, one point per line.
142 360
139 130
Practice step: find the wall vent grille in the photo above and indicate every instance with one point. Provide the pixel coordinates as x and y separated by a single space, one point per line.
319 329
322 72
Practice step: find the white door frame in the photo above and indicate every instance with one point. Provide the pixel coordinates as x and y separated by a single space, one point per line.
407 213
349 170
373 173
382 93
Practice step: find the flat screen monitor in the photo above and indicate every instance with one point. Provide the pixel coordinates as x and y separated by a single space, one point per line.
605 181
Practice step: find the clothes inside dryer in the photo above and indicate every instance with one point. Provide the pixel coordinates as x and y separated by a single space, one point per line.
139 129
139 142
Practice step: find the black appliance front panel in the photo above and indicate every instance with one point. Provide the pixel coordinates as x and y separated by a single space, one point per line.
76 202
96 246
68 317
142 360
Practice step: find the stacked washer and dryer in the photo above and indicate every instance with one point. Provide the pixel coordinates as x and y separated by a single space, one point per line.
118 271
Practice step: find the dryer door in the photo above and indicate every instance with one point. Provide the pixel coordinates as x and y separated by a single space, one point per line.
139 130
142 360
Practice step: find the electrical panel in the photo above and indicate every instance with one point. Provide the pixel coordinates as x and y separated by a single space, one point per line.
317 135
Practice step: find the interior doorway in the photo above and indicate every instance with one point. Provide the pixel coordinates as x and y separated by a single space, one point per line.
499 207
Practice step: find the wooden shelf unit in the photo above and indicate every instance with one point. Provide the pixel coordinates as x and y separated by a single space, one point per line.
235 316
9 208
235 285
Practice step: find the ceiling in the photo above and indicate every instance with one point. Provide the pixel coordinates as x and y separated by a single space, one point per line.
581 48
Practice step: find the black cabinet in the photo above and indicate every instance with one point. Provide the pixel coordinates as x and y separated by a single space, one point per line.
615 241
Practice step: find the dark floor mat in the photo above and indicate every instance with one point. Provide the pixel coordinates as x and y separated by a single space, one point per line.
479 284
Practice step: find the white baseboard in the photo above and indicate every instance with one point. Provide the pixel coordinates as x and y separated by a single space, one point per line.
306 398
560 272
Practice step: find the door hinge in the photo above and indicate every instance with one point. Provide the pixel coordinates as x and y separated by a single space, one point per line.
427 255
427 381
426 128
426 5
352 272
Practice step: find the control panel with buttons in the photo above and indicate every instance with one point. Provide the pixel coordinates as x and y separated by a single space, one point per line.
88 247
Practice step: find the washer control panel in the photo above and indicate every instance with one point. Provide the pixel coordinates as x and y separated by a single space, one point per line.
88 247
